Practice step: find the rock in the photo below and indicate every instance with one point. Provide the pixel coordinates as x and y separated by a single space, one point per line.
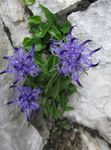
92 143
14 18
15 134
54 5
92 103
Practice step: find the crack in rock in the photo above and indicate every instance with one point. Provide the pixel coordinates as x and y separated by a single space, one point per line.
79 6
8 33
93 132
78 137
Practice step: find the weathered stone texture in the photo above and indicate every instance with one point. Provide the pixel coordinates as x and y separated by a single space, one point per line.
92 143
15 134
13 16
92 103
54 5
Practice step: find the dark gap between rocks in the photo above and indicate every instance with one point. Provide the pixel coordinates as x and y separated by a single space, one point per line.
79 6
68 137
7 31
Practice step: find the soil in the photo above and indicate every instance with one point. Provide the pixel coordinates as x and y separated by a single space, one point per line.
64 139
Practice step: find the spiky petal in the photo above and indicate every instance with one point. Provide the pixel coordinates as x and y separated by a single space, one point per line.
27 100
74 57
21 64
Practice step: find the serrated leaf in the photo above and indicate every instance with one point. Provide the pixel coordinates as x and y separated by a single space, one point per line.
34 19
49 15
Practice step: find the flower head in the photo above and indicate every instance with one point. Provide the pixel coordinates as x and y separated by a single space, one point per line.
27 99
21 64
74 57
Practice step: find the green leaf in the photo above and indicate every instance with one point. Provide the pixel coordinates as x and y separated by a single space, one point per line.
41 30
65 28
34 19
49 15
57 88
52 62
53 31
42 63
65 82
55 61
65 126
68 108
28 42
43 27
35 31
38 59
63 99
71 89
57 114
51 81
43 104
29 2
46 38
39 46
50 108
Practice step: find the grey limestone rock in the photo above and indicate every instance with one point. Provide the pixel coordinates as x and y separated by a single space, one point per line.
92 103
15 134
54 5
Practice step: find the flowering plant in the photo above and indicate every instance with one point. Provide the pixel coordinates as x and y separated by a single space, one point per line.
48 61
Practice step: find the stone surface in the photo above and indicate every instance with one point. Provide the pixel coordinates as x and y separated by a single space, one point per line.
92 143
54 5
92 103
13 16
15 133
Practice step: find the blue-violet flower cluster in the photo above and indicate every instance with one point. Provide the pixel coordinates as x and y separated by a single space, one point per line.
27 99
74 57
21 64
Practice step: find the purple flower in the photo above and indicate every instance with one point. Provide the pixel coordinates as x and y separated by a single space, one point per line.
74 57
21 64
27 99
